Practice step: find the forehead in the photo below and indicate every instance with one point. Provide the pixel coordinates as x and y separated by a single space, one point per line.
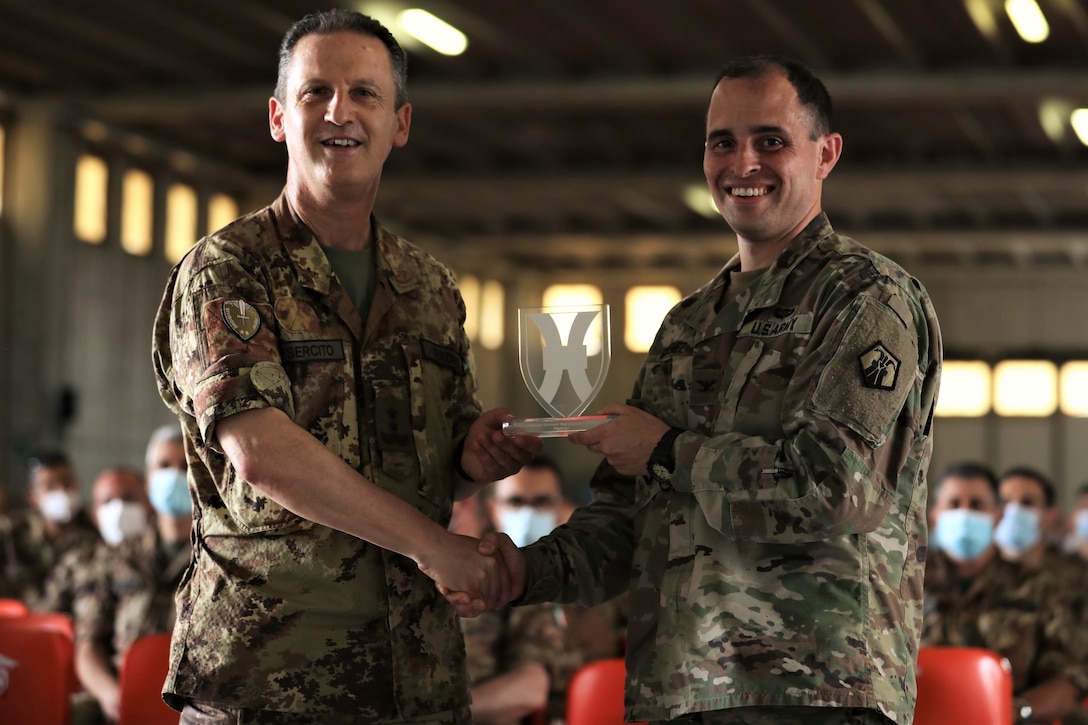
343 54
958 489
52 475
528 483
114 482
767 100
1020 487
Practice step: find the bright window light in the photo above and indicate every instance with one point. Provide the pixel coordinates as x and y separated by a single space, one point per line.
433 31
965 389
1079 120
492 299
137 205
645 308
1028 19
470 293
181 212
2 147
575 295
92 191
1074 388
1025 388
222 210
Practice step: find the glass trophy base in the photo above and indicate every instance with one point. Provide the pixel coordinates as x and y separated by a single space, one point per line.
552 427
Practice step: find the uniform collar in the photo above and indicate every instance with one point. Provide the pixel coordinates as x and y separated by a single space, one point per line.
313 267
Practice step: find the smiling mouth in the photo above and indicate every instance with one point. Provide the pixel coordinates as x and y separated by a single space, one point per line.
748 191
340 142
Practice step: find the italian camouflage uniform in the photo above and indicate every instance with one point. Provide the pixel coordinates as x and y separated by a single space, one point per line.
1030 616
278 613
128 592
590 633
782 564
500 639
28 555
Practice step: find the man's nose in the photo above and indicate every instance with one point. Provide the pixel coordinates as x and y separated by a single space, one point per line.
337 110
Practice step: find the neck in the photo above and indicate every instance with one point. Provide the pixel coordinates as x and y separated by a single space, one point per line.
174 529
1031 559
339 219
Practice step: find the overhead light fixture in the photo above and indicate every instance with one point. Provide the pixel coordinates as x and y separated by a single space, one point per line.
1054 116
1078 119
697 198
433 31
1028 19
1025 388
965 389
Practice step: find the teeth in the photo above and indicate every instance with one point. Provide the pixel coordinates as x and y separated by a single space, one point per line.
342 142
748 192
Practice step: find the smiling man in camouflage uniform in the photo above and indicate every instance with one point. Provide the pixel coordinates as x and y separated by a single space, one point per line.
774 535
320 369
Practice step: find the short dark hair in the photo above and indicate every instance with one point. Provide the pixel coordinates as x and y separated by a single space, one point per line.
811 91
336 20
1049 495
965 469
51 458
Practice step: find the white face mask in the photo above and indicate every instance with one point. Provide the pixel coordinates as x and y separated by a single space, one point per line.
60 506
525 524
119 520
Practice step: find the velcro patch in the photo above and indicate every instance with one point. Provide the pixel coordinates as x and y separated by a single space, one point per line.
879 368
447 357
242 318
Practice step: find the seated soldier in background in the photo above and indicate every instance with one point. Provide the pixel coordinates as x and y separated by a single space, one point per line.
975 598
1076 541
527 506
36 538
512 654
131 593
121 511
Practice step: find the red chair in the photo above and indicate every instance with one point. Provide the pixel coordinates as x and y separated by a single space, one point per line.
37 674
143 672
963 685
13 608
595 693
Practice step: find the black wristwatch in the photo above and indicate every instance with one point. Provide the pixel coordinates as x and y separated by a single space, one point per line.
662 462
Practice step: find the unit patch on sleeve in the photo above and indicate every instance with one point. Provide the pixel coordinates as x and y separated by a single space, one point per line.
242 318
879 368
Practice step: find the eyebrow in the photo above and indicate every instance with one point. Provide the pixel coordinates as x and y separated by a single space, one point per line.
754 130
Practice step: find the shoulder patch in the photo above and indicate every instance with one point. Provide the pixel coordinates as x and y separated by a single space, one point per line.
242 318
879 368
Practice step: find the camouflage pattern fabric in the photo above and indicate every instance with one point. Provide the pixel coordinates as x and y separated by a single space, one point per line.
70 574
279 613
590 633
783 563
1030 616
499 639
127 592
28 556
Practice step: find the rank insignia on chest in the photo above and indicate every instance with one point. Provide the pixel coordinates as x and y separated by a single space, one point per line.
242 318
879 368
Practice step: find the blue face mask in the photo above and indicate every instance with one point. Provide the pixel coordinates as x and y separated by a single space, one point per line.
1018 529
168 490
963 534
1080 525
525 524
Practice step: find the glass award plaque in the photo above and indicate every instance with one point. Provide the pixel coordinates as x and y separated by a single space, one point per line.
564 354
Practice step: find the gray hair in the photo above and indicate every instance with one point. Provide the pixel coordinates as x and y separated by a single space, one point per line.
163 434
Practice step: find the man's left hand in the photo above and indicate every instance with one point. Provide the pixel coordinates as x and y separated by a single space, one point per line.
489 455
626 441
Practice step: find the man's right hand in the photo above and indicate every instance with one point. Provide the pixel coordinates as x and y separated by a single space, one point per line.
510 558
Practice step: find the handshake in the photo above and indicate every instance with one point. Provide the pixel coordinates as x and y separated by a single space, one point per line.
476 575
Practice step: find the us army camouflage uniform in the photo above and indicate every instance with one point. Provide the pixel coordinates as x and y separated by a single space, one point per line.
1029 616
500 639
279 613
28 556
128 592
782 566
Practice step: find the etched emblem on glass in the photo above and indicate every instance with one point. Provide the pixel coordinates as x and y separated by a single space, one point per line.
564 354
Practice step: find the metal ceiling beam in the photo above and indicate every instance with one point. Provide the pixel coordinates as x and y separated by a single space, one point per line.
599 94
